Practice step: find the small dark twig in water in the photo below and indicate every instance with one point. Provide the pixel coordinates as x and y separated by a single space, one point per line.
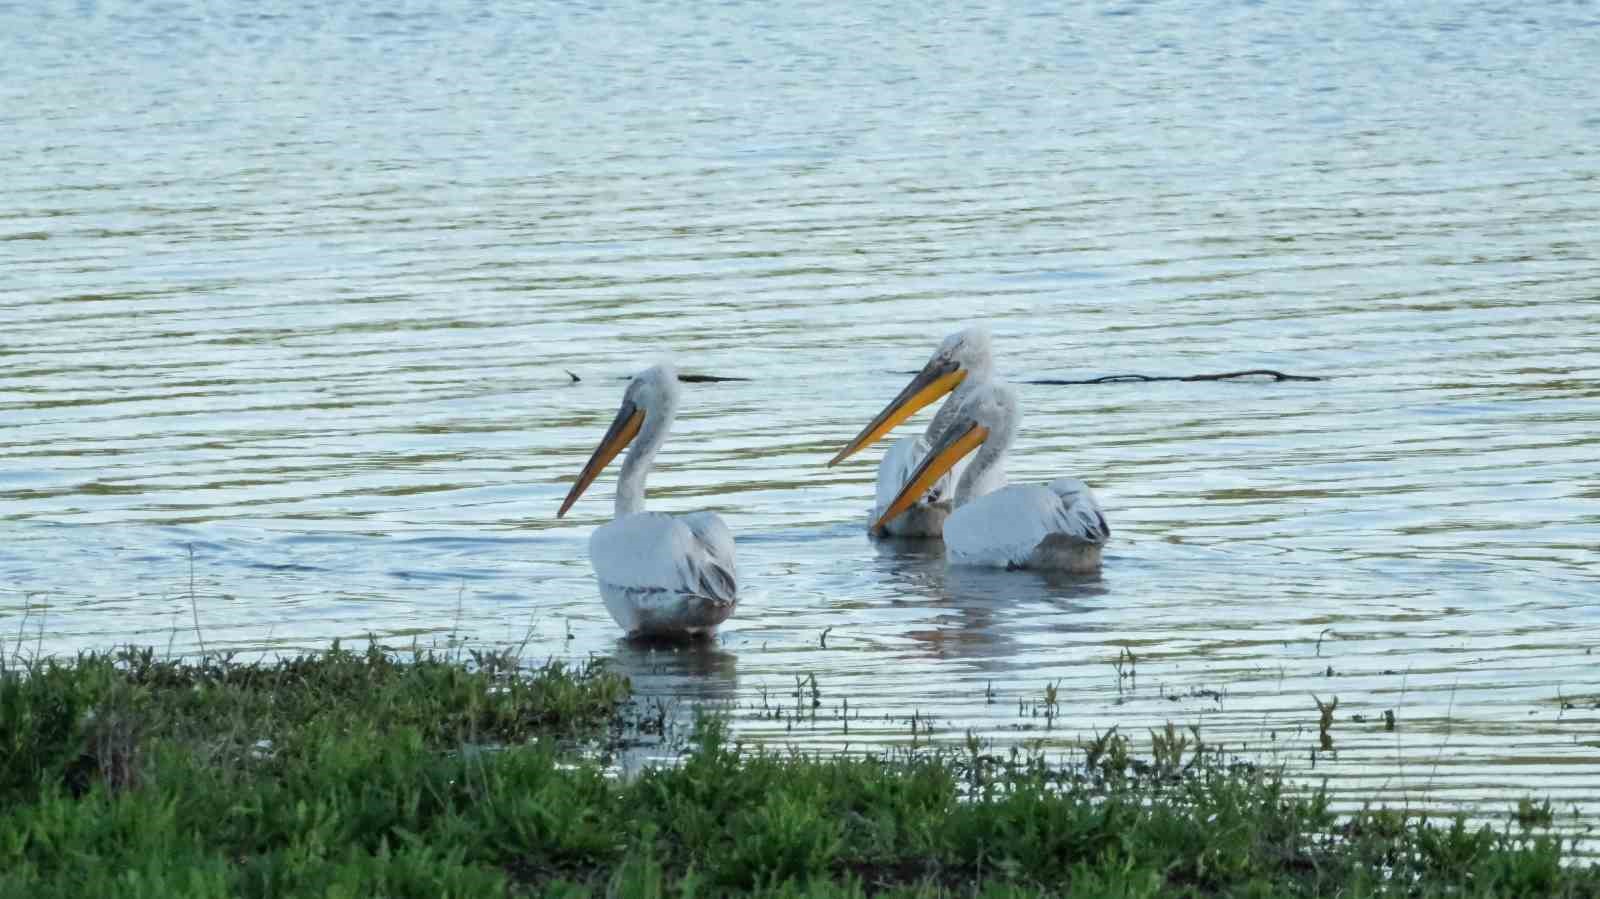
1325 714
194 605
27 605
1141 379
575 378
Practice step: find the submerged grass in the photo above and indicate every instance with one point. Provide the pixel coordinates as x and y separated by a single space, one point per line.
356 774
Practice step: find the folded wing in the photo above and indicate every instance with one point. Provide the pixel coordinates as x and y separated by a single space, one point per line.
653 552
1006 527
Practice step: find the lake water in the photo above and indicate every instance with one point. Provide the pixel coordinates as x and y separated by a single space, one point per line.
294 289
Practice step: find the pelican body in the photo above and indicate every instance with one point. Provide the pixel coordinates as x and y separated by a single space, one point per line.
659 574
960 364
1058 525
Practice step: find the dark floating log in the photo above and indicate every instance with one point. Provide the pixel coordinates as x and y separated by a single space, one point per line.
1103 379
1140 379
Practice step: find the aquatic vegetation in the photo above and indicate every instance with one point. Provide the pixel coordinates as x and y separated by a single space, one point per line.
369 774
99 716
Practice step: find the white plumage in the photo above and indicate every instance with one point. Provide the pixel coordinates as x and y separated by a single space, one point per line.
663 573
1055 525
1058 525
659 574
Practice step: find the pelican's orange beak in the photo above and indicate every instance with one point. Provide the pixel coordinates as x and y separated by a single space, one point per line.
932 382
940 460
623 429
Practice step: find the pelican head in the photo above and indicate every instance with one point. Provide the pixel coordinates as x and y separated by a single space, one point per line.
964 354
648 406
990 412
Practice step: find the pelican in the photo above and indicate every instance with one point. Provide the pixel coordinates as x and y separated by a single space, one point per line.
961 363
660 574
1057 525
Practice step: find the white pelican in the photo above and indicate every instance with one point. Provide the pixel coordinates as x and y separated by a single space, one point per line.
1057 525
659 574
961 363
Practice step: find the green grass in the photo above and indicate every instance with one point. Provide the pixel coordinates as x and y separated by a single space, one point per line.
357 774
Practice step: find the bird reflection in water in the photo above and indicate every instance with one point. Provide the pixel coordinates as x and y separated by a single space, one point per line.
678 669
985 614
671 681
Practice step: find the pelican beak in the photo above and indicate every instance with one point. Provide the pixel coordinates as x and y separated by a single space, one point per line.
940 460
623 429
934 381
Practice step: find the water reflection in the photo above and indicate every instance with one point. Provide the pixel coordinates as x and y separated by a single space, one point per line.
915 565
672 681
689 669
987 615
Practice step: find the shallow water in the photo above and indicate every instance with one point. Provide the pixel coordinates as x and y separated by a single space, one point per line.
295 290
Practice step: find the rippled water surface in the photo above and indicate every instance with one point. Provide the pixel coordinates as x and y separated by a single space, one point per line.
295 289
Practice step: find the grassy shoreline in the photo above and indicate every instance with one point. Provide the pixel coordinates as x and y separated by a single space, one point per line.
355 774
